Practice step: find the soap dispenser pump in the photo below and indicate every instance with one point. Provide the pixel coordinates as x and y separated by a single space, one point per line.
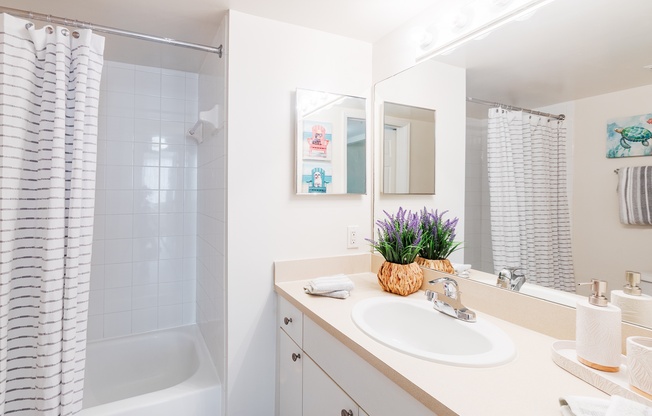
598 330
636 307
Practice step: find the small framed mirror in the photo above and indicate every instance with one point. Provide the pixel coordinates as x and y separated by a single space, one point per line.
408 149
331 143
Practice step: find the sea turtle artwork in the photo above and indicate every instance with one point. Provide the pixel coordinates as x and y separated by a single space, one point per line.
634 134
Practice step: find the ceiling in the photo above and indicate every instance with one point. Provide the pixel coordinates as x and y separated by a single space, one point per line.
567 51
197 21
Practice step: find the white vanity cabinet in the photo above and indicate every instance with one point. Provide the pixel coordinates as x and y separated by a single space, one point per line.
304 389
320 376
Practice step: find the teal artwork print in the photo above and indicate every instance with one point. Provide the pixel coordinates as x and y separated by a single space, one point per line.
629 136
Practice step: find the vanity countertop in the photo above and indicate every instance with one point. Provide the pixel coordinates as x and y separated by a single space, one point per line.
531 384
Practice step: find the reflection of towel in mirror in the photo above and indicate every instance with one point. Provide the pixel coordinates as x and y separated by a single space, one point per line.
635 195
591 406
337 286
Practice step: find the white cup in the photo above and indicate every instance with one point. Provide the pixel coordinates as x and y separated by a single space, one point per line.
639 364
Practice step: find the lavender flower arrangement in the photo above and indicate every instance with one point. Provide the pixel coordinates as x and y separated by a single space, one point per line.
399 237
438 235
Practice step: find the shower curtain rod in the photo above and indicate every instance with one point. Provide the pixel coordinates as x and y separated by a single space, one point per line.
110 30
559 117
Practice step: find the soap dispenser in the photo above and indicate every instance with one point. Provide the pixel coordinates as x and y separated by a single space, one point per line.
598 339
636 307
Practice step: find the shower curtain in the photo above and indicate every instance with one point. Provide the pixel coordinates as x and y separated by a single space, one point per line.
530 218
49 95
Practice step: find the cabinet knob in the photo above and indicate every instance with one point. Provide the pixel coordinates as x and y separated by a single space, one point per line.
287 320
347 412
295 356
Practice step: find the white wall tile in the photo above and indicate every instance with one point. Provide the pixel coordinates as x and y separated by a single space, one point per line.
147 107
145 225
120 128
173 155
117 275
146 177
144 296
97 276
146 154
171 178
171 201
172 109
117 299
117 324
173 132
144 272
120 104
120 79
170 270
119 177
173 86
96 302
119 201
170 316
119 226
95 328
189 313
145 202
147 83
171 224
140 279
170 248
118 251
146 249
143 320
148 131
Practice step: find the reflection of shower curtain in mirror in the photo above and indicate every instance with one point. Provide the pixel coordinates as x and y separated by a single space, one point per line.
49 97
530 218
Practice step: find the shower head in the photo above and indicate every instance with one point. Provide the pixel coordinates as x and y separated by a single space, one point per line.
197 132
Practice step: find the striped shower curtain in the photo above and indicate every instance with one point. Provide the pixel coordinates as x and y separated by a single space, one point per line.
530 216
49 94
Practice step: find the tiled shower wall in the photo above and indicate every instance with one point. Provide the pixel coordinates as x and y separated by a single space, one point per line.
144 252
477 230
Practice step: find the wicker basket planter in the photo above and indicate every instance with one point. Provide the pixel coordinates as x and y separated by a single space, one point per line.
439 265
402 279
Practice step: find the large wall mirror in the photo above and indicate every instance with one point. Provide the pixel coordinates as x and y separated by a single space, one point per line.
408 149
331 143
565 58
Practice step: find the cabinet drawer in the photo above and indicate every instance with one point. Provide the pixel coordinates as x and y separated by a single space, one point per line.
321 396
290 319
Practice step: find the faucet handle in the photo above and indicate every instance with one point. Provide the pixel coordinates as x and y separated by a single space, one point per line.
450 286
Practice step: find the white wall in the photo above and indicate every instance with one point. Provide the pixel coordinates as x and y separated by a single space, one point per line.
143 272
211 205
266 221
440 87
603 247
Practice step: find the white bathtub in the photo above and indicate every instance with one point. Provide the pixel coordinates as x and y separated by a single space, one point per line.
162 373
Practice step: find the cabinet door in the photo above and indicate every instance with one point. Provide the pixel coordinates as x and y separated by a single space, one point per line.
290 376
321 396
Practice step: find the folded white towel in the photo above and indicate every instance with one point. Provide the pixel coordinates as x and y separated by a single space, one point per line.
591 406
328 284
337 294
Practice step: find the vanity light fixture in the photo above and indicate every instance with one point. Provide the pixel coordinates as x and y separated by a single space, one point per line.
422 37
493 20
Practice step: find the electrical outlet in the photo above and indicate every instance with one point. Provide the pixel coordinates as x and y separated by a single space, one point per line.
352 236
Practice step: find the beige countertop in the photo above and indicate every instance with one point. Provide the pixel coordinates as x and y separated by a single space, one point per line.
531 384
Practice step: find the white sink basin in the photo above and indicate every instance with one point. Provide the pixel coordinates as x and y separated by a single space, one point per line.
413 327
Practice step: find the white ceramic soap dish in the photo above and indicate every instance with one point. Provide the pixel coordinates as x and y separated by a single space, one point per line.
565 356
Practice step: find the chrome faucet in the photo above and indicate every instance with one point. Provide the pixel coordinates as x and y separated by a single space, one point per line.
449 302
511 278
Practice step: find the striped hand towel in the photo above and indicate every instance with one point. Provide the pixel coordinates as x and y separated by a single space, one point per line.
635 195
